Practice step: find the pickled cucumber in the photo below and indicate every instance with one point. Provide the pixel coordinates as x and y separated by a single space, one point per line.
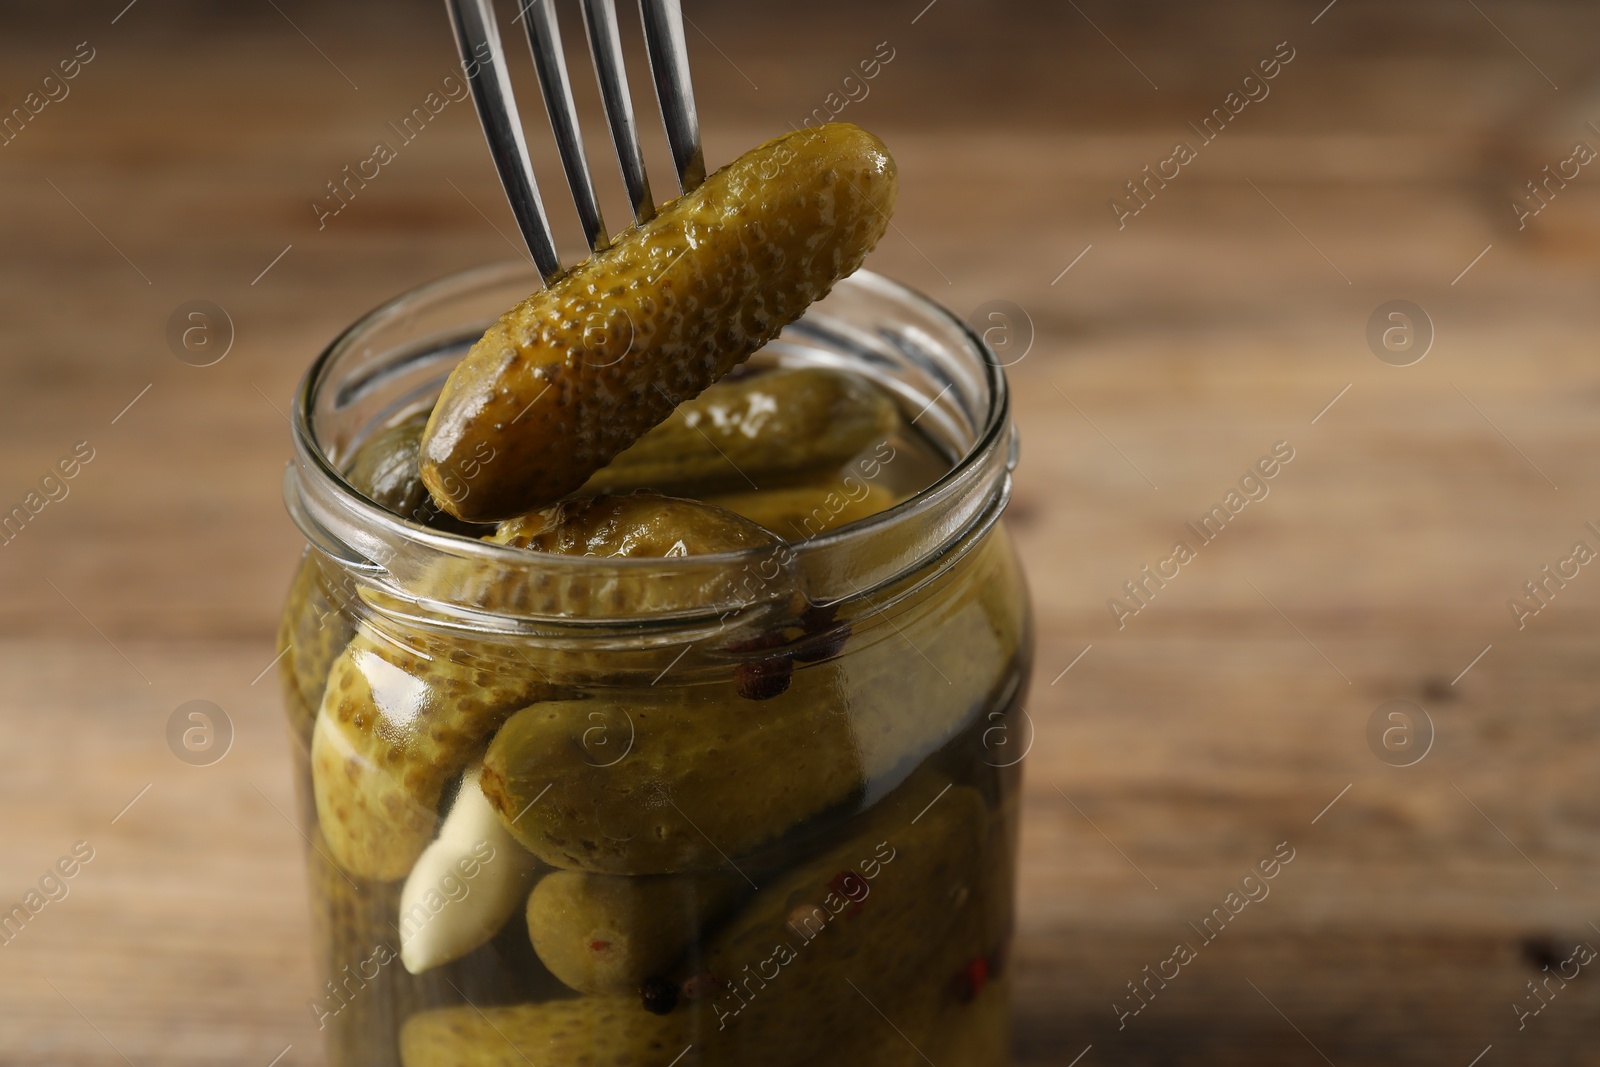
385 470
878 909
403 714
586 1032
577 372
365 994
601 933
959 1004
797 977
804 511
707 774
755 433
963 630
710 774
637 524
316 626
640 525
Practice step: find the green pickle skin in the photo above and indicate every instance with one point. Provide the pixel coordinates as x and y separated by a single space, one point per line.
600 933
384 470
709 774
758 432
818 506
695 761
311 634
647 524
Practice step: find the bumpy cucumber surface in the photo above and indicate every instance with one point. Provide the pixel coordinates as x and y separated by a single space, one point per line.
579 371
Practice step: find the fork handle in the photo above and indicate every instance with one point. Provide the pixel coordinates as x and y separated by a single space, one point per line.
483 60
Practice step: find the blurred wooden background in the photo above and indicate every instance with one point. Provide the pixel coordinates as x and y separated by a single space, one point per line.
1225 717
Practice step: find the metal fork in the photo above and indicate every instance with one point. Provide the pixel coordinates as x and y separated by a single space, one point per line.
483 61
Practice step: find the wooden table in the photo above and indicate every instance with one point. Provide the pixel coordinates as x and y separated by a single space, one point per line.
1172 753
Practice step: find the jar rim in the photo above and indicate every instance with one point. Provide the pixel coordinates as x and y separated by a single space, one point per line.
337 518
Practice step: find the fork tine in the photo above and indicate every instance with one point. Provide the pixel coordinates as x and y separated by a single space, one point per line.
605 43
544 38
669 63
484 61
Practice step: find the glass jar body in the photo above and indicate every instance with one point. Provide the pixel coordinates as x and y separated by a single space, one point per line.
565 818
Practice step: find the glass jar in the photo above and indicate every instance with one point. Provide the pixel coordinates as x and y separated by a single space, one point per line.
770 795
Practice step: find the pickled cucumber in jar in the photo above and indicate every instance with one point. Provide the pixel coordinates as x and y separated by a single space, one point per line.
757 431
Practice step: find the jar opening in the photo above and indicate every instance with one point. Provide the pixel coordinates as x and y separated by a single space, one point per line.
395 359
